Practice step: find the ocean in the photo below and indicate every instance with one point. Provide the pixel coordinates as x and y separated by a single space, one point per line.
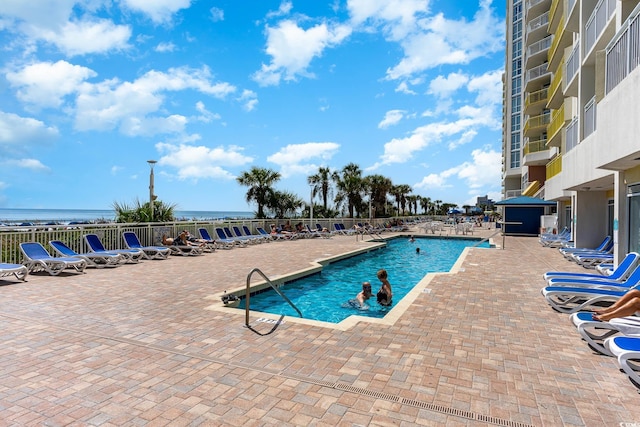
17 216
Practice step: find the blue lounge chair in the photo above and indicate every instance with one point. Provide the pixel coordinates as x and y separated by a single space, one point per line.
19 271
93 259
149 252
95 245
624 270
627 351
36 258
260 235
209 241
226 242
251 239
569 299
604 246
594 331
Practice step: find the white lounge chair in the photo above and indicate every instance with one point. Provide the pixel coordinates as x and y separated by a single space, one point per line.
93 259
36 258
19 271
149 252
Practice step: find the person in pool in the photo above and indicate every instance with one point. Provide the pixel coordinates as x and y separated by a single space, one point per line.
359 301
384 295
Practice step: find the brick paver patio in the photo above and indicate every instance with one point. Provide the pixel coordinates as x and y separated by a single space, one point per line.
144 345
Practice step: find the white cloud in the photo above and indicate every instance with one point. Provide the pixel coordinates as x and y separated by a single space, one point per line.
17 132
298 158
397 17
249 99
45 84
488 86
30 164
403 87
292 49
283 10
200 162
216 14
392 117
165 47
205 115
126 105
444 86
160 11
84 37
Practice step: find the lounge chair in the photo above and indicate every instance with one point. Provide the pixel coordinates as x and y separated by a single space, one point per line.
247 238
95 245
627 350
149 252
628 265
36 258
18 270
563 238
209 242
226 242
594 332
261 236
603 247
266 234
570 299
93 259
592 260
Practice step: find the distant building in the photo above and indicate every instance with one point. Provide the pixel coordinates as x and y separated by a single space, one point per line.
485 203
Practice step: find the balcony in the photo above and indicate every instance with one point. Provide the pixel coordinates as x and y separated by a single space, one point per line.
573 65
537 52
554 167
623 53
536 152
536 101
561 39
597 23
553 15
555 126
590 110
555 89
536 77
537 28
536 124
573 135
536 7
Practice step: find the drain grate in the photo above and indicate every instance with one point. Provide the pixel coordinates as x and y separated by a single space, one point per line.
367 392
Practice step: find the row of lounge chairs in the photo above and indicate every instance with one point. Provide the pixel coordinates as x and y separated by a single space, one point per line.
580 293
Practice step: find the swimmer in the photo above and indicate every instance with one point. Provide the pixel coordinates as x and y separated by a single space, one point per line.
411 239
359 301
417 251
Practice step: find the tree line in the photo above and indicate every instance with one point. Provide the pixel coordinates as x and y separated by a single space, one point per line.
350 193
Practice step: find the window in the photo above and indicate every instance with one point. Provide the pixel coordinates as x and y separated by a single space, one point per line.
515 122
516 67
517 48
517 10
515 159
517 30
516 85
516 104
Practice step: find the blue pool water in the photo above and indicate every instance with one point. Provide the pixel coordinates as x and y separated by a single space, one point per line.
321 296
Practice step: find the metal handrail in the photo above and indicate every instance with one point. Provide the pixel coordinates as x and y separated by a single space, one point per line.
275 288
486 239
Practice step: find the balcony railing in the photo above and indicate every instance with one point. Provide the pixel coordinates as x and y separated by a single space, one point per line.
553 9
538 71
535 146
540 121
590 109
512 193
540 21
597 21
540 46
556 122
538 96
532 3
573 62
554 167
556 82
573 135
623 53
557 37
570 6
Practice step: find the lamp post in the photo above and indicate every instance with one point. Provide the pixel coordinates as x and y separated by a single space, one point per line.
370 211
151 196
311 207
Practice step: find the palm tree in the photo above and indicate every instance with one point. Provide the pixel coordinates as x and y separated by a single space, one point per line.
284 204
425 204
400 192
350 186
378 187
412 201
321 182
141 212
260 182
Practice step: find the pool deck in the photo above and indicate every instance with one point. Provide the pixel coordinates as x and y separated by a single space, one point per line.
146 344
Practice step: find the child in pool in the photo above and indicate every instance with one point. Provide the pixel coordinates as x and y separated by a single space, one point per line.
359 301
384 295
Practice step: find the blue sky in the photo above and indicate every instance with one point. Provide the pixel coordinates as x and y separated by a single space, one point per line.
90 90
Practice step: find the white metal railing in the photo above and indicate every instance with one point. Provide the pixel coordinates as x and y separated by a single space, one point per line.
538 71
512 193
590 110
623 52
540 21
573 135
570 6
532 3
597 21
540 45
573 63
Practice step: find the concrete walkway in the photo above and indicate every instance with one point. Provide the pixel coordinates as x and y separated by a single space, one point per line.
145 345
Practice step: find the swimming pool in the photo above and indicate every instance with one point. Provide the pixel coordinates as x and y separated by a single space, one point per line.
321 296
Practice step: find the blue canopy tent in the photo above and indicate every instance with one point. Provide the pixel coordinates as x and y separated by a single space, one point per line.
526 211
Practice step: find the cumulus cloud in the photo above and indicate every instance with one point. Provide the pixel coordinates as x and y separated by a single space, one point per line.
216 14
299 158
45 84
444 86
484 170
249 100
160 11
292 48
283 10
17 133
165 47
392 117
201 162
30 164
127 105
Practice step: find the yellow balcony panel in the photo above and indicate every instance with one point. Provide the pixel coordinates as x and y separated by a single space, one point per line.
554 167
536 100
556 6
536 124
556 97
556 124
535 146
531 189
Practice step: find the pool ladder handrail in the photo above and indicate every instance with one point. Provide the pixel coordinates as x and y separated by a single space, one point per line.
486 239
274 287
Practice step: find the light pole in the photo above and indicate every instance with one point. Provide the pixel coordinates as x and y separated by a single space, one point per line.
151 196
311 208
370 211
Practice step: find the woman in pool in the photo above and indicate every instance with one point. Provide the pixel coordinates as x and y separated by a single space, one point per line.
359 301
384 295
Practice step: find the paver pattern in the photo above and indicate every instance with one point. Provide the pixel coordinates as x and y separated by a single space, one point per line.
140 345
